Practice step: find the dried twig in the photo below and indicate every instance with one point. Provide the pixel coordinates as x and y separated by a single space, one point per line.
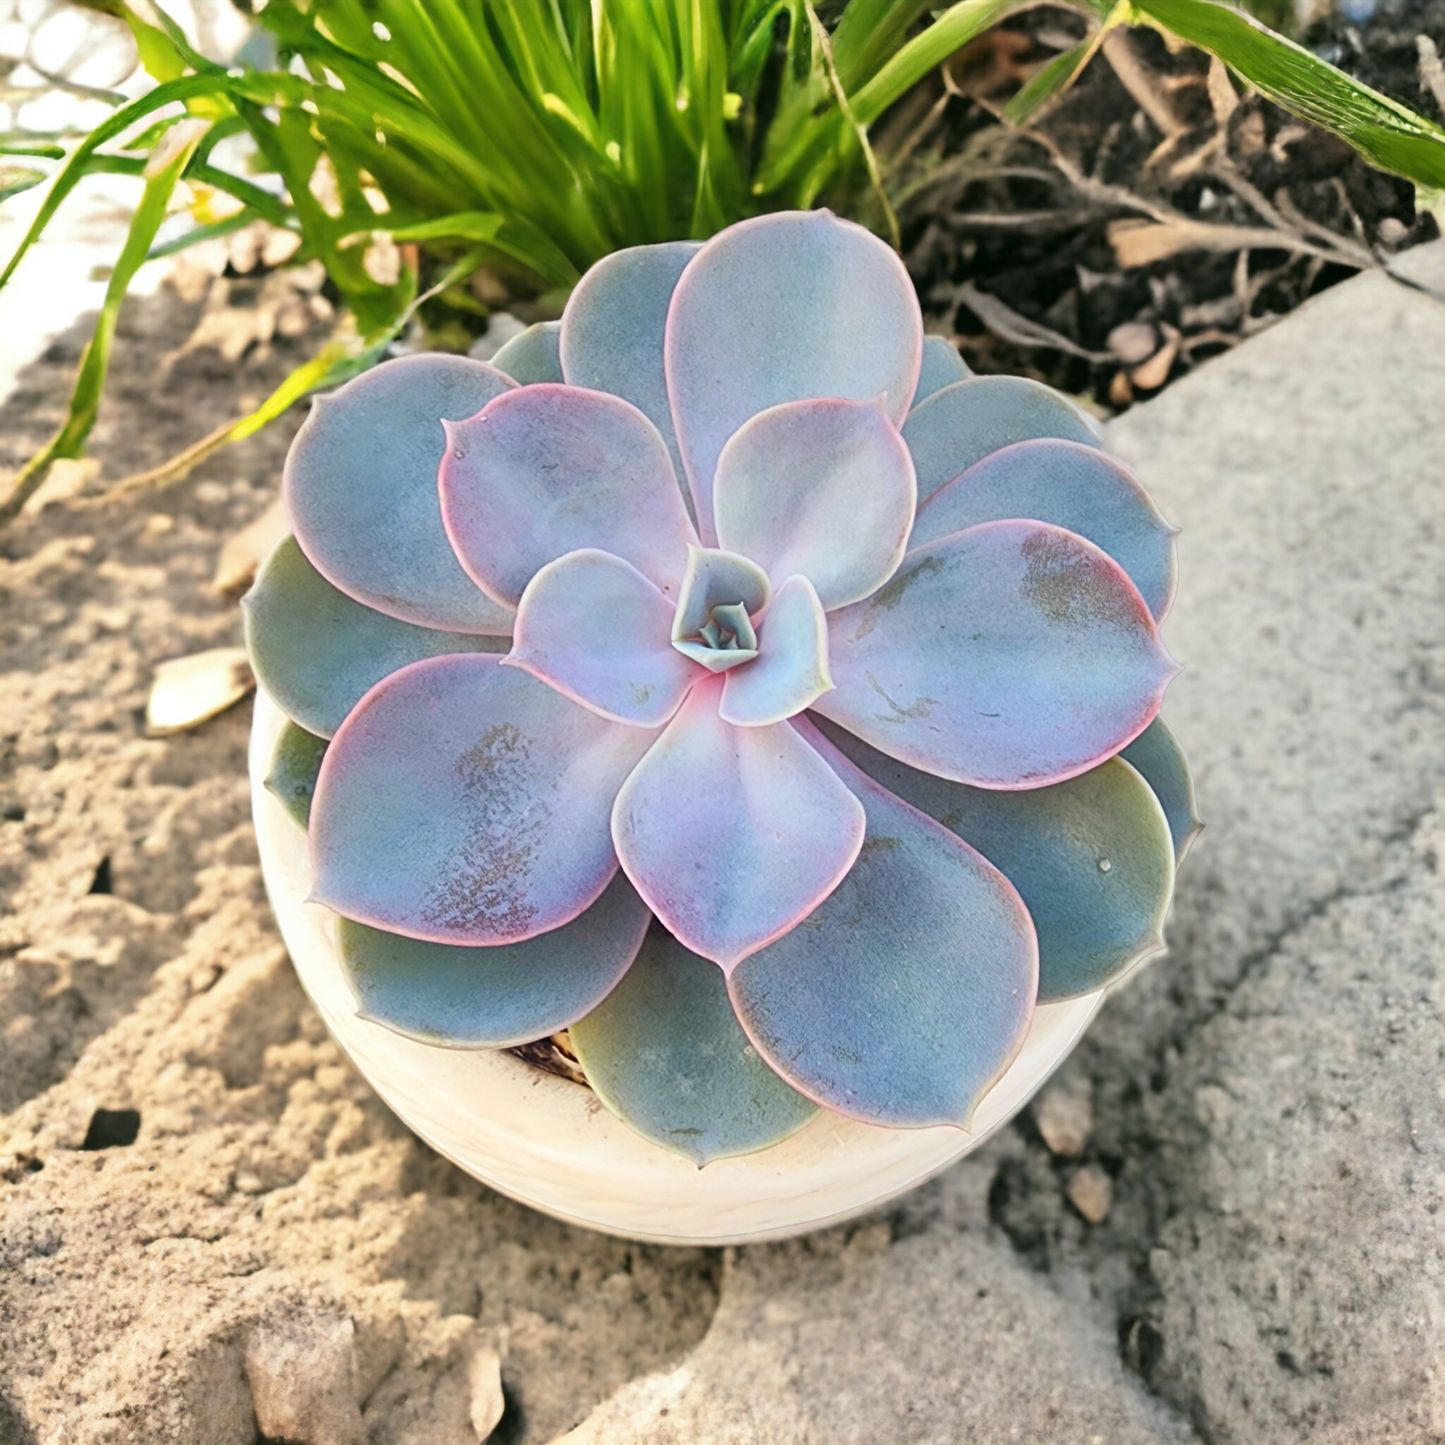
825 49
1432 71
1005 322
1140 81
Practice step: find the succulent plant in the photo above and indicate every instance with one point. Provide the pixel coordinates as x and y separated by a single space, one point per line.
848 658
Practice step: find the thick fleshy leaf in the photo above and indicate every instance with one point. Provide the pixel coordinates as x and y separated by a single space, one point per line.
1009 656
363 468
713 624
316 651
465 802
961 424
906 994
818 488
534 356
294 765
545 470
666 1054
592 626
783 308
732 835
614 326
942 366
791 671
1157 755
494 998
1091 858
1072 486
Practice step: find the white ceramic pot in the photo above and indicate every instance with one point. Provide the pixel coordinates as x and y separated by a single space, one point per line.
549 1143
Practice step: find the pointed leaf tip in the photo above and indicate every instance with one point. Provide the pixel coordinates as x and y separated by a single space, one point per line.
545 470
733 835
364 465
781 308
910 989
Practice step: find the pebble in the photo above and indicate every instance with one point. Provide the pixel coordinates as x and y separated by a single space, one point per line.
1065 1118
1091 1192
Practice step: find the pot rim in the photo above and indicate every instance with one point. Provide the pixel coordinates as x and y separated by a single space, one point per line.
551 1144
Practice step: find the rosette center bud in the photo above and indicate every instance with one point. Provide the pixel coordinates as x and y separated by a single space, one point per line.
720 595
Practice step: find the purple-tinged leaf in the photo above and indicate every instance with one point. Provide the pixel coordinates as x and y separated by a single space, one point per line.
713 623
791 671
961 424
665 1053
316 651
785 308
942 366
1091 858
732 835
1157 755
905 995
818 488
592 626
614 326
1009 656
494 998
291 779
465 802
363 468
534 356
547 469
1071 486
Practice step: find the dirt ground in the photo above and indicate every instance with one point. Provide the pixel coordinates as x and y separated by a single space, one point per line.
184 1154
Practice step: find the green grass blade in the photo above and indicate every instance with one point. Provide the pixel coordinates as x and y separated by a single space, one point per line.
1386 133
69 441
868 35
953 29
33 148
1050 80
77 166
197 234
16 179
344 356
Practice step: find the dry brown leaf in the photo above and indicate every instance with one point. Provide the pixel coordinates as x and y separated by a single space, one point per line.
188 691
484 1379
244 552
1141 243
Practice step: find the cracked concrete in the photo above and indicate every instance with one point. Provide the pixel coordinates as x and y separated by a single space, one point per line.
271 1251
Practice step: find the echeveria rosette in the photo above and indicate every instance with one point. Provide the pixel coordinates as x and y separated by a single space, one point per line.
738 682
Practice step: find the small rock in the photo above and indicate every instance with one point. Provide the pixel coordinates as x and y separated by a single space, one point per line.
189 690
501 328
301 1376
484 1378
1065 1118
1091 1192
1133 342
1393 231
1155 372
